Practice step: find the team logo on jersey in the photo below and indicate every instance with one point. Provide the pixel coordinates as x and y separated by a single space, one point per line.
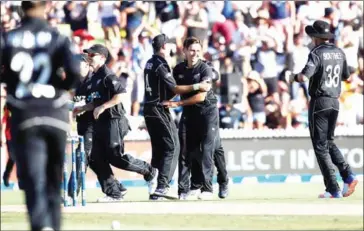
196 76
180 76
98 81
89 87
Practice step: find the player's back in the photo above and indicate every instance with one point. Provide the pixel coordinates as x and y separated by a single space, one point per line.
33 57
331 70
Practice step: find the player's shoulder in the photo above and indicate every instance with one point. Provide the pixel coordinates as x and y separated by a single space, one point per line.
204 65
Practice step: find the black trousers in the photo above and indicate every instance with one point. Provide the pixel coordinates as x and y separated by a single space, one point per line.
202 127
188 179
39 153
165 143
323 113
108 148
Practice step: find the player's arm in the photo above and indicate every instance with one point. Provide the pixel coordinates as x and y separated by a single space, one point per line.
168 79
201 96
117 88
308 71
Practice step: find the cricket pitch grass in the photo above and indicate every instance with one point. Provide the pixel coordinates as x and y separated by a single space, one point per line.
290 206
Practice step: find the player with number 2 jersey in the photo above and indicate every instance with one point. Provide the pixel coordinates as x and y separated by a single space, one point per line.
34 57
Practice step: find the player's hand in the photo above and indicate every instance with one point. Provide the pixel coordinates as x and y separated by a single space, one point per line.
98 111
171 104
205 86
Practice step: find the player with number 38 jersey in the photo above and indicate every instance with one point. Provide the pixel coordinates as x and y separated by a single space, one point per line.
325 69
33 56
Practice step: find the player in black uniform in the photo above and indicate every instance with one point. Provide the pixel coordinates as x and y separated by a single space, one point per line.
325 69
111 125
161 86
201 116
37 95
185 178
85 123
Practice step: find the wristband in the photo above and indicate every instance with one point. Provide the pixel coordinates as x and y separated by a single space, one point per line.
196 86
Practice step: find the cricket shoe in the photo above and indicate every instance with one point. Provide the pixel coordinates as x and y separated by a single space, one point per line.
108 199
193 194
69 200
223 191
165 193
206 196
329 195
47 229
152 184
156 198
183 196
122 189
349 185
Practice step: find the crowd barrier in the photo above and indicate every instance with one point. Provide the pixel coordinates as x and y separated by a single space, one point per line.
255 156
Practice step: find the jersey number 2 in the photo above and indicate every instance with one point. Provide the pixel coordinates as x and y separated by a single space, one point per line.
333 76
26 65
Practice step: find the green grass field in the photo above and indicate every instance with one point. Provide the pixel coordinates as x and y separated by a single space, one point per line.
278 195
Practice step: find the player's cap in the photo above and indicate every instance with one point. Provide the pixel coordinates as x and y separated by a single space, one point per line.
159 41
99 49
27 5
319 29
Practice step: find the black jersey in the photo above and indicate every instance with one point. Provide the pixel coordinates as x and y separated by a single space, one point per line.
326 68
33 56
159 82
105 85
188 76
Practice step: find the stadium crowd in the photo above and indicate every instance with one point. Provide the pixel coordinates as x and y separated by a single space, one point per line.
253 43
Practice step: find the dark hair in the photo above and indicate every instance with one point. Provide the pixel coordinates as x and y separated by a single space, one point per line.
189 41
27 5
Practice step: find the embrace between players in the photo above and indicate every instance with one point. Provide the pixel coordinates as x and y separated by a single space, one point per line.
103 123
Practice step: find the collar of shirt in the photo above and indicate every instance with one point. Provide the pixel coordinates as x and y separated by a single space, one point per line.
102 71
34 21
198 63
160 57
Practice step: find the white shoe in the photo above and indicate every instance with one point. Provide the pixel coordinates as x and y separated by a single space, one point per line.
108 199
206 196
193 194
69 200
152 184
47 229
183 196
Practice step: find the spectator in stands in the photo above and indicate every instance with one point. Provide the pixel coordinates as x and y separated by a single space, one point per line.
109 20
196 22
257 91
76 15
131 15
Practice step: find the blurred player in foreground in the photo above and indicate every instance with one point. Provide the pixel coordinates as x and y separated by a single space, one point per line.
37 95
